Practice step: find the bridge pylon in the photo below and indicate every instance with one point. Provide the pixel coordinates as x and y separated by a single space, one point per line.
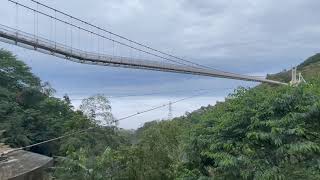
296 79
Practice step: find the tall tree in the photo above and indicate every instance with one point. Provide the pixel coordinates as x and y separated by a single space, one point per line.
98 109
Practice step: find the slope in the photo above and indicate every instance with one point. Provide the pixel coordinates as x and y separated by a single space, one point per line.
310 69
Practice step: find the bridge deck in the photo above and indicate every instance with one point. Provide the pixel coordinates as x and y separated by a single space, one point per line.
29 41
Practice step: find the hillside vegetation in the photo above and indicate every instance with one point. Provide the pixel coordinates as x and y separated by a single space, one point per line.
310 70
260 133
30 114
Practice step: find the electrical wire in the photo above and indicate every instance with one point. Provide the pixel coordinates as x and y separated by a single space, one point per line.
148 94
158 107
85 130
47 141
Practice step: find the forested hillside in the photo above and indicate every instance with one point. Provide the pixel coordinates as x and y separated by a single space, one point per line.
260 133
30 114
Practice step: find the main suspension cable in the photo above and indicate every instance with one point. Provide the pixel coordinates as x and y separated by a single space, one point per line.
98 35
120 36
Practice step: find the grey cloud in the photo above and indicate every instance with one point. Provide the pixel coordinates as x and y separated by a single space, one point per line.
205 7
246 36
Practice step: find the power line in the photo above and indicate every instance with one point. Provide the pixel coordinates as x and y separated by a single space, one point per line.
47 141
148 94
85 130
158 107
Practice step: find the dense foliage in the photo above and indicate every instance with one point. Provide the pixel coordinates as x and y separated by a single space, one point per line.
260 133
29 114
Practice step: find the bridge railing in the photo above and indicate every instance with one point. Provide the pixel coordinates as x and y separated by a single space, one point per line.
37 41
61 50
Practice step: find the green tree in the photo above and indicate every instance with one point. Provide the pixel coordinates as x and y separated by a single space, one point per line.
262 133
98 109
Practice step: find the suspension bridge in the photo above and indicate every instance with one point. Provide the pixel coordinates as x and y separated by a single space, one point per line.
41 44
84 33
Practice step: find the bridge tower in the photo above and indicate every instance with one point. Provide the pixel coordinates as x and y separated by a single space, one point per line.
296 79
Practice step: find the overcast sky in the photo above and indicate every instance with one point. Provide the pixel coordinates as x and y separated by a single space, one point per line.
253 37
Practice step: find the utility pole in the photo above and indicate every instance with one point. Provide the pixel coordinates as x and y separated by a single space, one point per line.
170 110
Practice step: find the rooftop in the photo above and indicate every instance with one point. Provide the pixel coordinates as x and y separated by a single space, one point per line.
20 162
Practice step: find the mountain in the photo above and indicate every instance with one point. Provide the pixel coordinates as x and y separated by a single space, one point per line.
310 69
